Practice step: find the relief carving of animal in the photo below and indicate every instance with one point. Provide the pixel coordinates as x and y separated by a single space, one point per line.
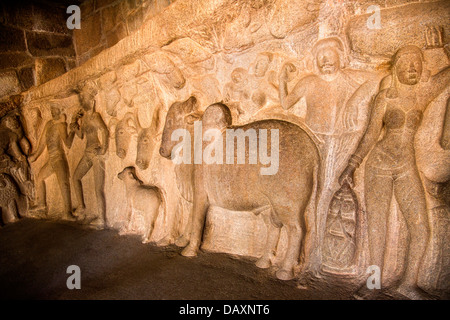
142 198
123 132
241 187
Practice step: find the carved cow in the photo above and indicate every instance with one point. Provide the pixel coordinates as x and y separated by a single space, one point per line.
147 139
125 129
241 187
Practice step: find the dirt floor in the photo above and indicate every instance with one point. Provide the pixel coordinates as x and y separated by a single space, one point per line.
34 256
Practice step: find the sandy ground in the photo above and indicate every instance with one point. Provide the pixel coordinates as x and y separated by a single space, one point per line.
35 254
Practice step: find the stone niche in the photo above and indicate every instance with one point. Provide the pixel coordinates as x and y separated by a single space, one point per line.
354 95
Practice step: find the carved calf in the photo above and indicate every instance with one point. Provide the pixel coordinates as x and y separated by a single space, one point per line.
284 195
143 198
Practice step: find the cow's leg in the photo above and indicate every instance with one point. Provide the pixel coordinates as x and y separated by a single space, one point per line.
294 231
201 205
183 240
198 221
293 218
273 234
153 215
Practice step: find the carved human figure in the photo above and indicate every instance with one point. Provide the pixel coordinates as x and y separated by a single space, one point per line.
93 128
14 169
236 92
334 97
13 145
53 136
391 169
264 91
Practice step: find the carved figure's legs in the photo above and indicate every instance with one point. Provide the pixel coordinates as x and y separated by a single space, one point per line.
410 195
99 179
378 196
61 169
41 196
82 168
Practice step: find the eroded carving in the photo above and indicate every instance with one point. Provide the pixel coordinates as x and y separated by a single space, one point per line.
143 200
266 193
94 130
16 188
52 138
391 169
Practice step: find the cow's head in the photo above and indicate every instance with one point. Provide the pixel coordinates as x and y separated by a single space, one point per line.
125 128
145 142
147 139
181 115
129 174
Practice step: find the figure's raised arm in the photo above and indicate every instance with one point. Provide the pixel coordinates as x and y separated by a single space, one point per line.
287 99
435 86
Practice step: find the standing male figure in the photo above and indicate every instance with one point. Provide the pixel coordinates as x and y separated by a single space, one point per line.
91 126
335 96
53 137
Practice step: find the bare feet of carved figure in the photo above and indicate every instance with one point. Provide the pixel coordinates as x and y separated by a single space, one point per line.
264 262
68 216
190 251
163 242
160 243
124 230
80 213
182 241
283 274
96 222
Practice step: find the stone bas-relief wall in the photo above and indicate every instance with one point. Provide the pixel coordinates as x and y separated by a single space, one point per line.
359 105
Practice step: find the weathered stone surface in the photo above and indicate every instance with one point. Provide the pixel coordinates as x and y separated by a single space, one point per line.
19 14
9 84
399 26
111 16
14 60
47 44
11 39
114 36
87 7
26 78
135 20
89 35
50 18
103 3
49 68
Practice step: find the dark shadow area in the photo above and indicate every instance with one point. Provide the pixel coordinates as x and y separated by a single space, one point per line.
35 254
